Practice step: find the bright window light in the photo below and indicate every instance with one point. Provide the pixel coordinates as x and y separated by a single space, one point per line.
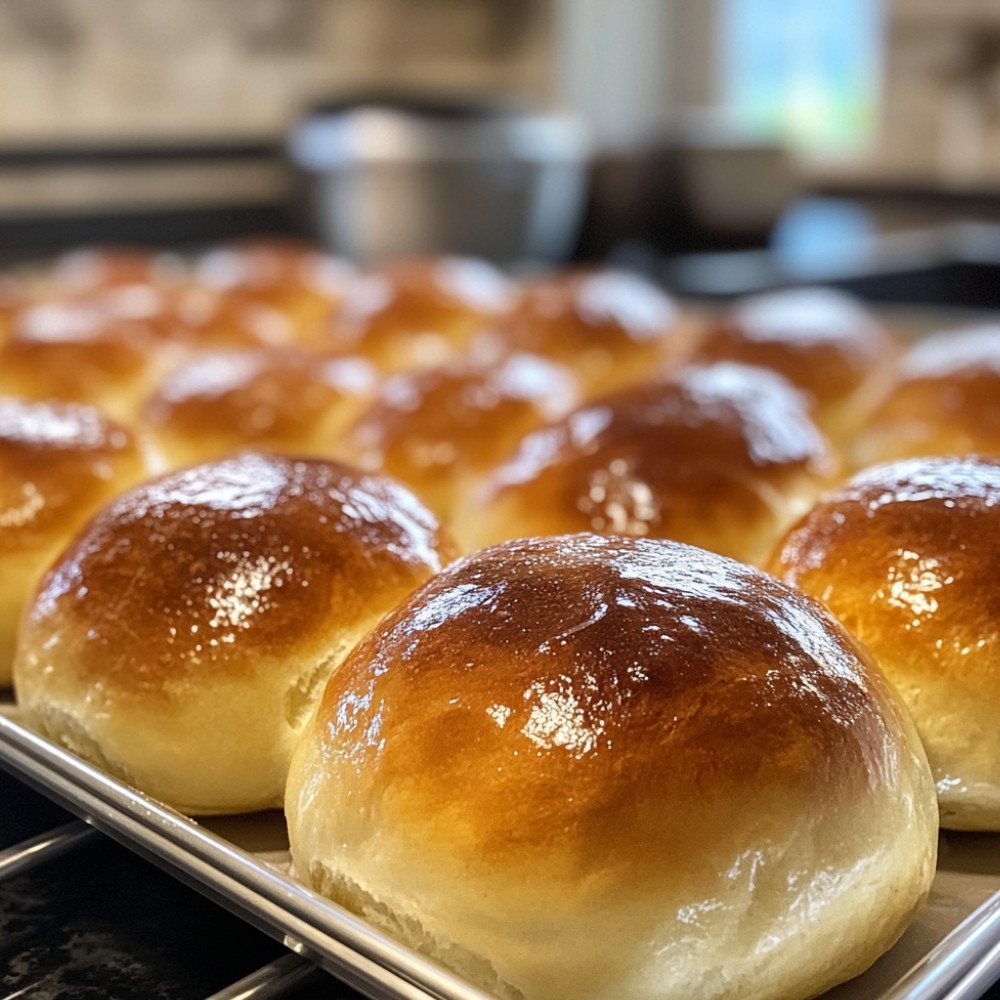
803 71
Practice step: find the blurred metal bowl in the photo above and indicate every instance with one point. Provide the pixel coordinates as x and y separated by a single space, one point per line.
379 181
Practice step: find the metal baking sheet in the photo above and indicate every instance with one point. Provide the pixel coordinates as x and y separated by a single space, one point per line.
950 952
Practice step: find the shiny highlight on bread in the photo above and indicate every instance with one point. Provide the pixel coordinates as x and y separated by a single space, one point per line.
905 555
586 767
824 341
181 641
58 463
724 456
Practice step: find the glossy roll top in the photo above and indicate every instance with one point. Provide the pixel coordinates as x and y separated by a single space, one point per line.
905 555
723 456
180 641
611 327
277 291
617 768
441 429
106 351
419 313
285 400
823 341
58 463
946 400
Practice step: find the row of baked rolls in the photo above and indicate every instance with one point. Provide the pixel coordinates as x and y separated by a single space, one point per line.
607 325
107 327
649 755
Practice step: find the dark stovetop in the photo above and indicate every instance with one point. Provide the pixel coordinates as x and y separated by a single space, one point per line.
100 923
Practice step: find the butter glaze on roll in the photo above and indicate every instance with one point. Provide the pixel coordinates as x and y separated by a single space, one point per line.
181 641
946 400
442 429
86 270
289 401
265 285
610 327
906 556
421 313
12 300
58 463
823 341
722 456
107 351
617 769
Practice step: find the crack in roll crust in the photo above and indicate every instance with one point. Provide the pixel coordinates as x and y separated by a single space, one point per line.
905 555
606 767
184 628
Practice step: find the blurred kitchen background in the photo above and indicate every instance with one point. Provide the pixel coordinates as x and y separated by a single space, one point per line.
722 144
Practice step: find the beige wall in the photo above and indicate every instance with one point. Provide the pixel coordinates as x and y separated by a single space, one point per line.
941 105
100 70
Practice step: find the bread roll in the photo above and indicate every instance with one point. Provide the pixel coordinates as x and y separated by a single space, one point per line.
257 278
58 463
723 456
207 320
822 340
86 270
441 429
181 641
421 313
610 327
617 769
945 402
11 301
905 555
288 401
107 351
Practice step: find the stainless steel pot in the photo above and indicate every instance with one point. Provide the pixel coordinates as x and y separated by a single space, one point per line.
379 181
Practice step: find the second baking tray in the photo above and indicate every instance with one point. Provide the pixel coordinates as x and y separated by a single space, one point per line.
951 952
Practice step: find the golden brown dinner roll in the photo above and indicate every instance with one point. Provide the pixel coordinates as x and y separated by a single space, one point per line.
297 282
58 463
441 429
723 456
586 767
421 313
181 641
945 402
106 351
610 327
12 299
284 400
87 270
206 320
906 556
822 340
